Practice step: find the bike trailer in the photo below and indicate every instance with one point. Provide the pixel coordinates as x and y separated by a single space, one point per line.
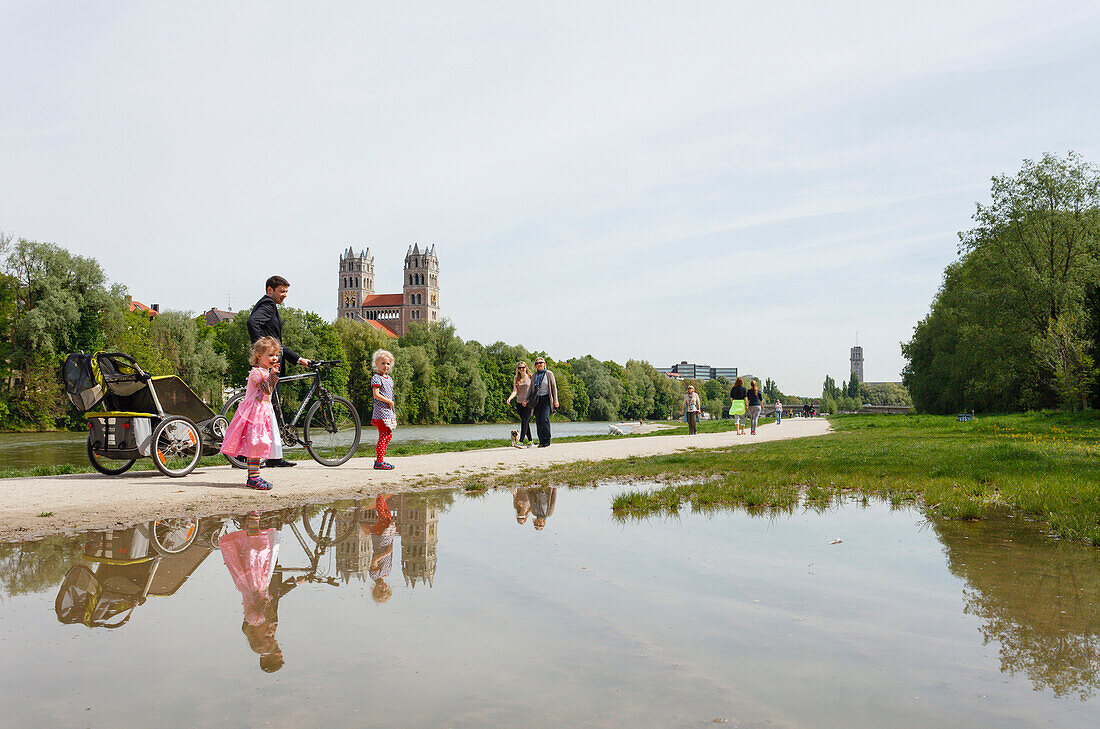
142 416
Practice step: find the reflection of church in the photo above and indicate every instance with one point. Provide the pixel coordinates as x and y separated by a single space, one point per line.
353 553
416 520
419 537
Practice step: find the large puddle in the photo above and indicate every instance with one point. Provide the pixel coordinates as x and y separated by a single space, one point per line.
452 613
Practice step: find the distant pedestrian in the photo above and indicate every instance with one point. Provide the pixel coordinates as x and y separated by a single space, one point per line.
778 412
756 403
521 386
806 409
739 404
691 408
385 415
544 394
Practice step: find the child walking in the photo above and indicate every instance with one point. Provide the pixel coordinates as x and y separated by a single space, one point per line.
254 432
384 417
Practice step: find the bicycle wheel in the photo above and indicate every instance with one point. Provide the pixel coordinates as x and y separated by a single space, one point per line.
108 466
228 411
172 536
332 431
177 446
331 523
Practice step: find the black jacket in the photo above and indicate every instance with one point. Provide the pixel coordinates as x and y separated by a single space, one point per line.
264 321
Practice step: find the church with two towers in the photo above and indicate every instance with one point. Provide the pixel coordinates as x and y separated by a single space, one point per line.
390 313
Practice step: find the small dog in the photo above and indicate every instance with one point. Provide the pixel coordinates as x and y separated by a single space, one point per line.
515 439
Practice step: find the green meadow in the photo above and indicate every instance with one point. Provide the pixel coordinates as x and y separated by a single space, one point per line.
1044 465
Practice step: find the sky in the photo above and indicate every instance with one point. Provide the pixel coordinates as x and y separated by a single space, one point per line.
747 185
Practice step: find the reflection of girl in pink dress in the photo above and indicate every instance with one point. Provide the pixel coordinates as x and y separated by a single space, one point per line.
250 555
254 432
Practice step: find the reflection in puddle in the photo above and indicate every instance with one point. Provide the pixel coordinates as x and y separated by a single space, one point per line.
1038 600
750 615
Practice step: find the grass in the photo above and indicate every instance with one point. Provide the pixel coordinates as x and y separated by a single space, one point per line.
1043 465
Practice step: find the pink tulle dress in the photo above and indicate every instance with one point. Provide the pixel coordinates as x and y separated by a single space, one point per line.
254 432
251 561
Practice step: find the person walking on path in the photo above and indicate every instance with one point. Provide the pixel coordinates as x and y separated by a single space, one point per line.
778 412
254 432
739 404
521 385
544 394
691 407
264 321
756 404
385 416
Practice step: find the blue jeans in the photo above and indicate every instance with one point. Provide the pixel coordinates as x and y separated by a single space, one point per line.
778 416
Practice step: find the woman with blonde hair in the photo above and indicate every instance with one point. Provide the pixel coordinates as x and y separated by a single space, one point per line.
521 386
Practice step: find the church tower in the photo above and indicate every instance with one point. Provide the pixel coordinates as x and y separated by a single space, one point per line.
420 291
356 282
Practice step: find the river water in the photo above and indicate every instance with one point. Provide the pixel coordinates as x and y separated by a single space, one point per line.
29 450
459 611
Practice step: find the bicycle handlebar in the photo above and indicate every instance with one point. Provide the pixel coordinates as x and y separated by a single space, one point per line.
319 363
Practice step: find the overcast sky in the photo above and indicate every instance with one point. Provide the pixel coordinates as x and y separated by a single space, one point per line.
737 184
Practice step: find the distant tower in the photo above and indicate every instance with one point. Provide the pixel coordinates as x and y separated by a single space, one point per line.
857 363
356 282
420 289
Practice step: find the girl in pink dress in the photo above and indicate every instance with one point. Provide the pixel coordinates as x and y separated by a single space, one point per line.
254 432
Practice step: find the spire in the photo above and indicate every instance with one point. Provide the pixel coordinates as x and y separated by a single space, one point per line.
416 249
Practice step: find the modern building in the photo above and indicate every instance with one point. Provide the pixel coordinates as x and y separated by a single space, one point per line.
857 362
390 313
688 371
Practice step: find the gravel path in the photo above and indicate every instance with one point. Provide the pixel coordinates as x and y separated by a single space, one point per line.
93 501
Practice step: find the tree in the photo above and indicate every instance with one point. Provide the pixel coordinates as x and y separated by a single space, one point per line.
1062 350
1032 258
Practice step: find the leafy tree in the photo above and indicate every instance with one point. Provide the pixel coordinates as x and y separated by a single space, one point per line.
1062 350
1029 263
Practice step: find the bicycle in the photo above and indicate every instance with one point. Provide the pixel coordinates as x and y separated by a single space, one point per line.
331 429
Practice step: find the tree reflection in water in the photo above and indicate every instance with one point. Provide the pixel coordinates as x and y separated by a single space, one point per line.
1037 598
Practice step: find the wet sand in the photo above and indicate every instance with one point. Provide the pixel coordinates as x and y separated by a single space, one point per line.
93 501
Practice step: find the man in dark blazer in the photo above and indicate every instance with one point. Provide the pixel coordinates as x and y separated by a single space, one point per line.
264 321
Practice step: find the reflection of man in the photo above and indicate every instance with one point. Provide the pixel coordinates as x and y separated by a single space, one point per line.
264 321
542 503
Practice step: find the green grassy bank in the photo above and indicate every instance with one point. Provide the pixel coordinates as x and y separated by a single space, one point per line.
1044 465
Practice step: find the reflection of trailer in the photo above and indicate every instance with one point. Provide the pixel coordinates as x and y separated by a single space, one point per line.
155 558
144 416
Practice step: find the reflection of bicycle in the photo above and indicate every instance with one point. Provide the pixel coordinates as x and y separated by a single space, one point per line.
323 526
326 527
330 429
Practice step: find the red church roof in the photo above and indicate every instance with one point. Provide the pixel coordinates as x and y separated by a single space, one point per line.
382 328
384 300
